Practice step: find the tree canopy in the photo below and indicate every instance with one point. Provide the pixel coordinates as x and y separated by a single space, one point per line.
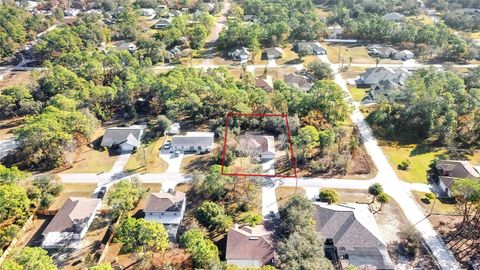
29 258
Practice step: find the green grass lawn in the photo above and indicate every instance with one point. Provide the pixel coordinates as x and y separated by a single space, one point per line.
72 190
150 151
442 206
357 93
419 161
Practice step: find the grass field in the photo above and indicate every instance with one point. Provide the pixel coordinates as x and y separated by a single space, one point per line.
150 152
72 190
283 194
357 93
420 160
442 206
359 54
89 160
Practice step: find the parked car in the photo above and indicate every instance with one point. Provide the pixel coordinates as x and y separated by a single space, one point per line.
167 145
102 192
177 153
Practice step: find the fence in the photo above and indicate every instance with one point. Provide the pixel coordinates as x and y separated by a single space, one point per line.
27 226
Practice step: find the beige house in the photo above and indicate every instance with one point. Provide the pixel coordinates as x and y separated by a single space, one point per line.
265 82
263 146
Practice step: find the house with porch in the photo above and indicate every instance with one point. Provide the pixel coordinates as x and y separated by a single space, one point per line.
125 138
167 208
261 146
194 142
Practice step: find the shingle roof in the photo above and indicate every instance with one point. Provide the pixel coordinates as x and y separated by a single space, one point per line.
204 139
458 168
296 80
274 51
73 215
250 243
164 201
265 82
260 143
373 76
353 231
118 135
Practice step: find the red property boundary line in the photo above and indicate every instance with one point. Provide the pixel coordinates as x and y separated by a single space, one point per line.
285 116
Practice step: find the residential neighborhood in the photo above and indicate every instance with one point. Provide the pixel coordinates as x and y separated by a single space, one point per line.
230 135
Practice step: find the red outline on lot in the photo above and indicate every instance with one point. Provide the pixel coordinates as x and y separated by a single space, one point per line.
252 174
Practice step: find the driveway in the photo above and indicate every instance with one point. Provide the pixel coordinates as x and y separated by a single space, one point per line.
174 163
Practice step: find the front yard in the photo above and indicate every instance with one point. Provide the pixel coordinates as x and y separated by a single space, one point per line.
443 206
150 153
283 194
357 53
72 190
357 93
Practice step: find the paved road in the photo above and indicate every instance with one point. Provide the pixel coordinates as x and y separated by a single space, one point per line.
7 146
269 200
395 187
215 34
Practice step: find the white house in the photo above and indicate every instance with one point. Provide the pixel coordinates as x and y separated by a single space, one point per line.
167 208
194 141
71 12
173 129
263 146
249 246
125 138
240 54
403 55
149 12
71 223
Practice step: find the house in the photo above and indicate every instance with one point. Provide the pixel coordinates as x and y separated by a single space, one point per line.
71 223
311 47
335 32
129 46
176 52
381 51
394 17
163 23
263 146
148 12
404 55
384 90
250 18
265 82
301 82
239 54
71 12
194 141
173 129
451 170
351 236
249 246
167 208
373 76
125 138
274 53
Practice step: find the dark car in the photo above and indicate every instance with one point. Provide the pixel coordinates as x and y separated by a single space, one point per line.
102 192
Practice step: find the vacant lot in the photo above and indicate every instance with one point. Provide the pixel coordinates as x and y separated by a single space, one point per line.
148 153
283 194
420 159
18 78
72 190
356 53
88 159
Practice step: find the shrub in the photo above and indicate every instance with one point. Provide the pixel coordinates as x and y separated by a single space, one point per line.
329 196
405 165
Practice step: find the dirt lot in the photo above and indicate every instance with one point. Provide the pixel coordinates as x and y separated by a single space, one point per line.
20 78
283 194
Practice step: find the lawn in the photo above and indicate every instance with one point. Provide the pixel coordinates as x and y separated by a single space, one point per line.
20 78
420 159
150 152
283 194
423 19
357 93
91 160
289 56
353 196
72 190
358 54
195 162
442 206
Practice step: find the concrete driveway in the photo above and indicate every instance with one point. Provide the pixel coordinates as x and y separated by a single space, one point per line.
7 146
174 163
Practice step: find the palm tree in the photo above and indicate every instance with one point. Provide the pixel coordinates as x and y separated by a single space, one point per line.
377 61
375 190
382 198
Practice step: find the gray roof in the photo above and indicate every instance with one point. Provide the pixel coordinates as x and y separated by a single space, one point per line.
119 135
298 81
73 216
311 46
354 232
373 76
165 201
204 139
394 16
274 52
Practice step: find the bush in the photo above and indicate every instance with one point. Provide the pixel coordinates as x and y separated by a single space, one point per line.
405 165
329 196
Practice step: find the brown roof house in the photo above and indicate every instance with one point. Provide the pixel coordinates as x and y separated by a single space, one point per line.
167 208
71 223
257 145
249 246
451 170
351 236
265 82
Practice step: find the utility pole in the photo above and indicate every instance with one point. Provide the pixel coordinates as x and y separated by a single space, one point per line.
145 158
